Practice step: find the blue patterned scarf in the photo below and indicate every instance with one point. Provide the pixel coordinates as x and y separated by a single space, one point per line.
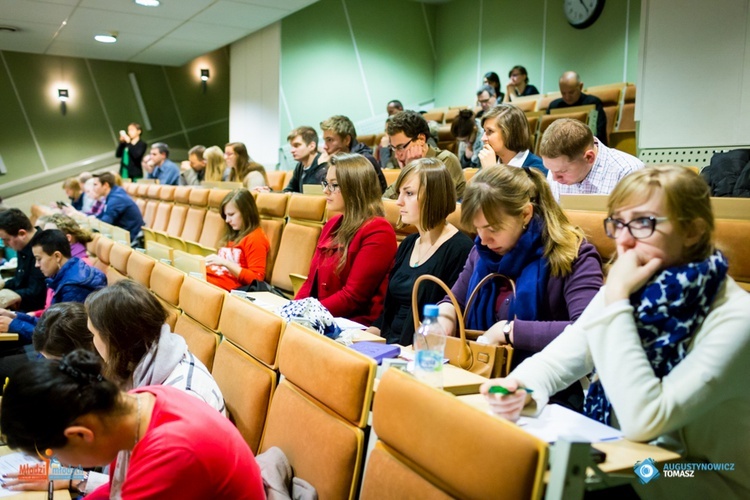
525 264
668 311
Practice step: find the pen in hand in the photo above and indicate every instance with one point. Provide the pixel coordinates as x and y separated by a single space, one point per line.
498 389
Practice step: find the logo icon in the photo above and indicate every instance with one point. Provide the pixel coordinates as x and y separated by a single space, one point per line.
646 470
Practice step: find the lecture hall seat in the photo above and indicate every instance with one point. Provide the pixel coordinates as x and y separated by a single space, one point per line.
319 411
428 455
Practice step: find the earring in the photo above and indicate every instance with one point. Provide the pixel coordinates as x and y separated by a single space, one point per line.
525 226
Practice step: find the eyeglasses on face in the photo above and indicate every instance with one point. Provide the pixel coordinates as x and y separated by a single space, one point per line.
332 187
639 228
400 147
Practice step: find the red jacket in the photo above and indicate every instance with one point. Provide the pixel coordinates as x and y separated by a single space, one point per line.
358 291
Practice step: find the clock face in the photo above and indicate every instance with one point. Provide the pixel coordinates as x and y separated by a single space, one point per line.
582 13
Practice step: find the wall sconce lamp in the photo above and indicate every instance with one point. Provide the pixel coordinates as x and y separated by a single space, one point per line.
62 95
204 78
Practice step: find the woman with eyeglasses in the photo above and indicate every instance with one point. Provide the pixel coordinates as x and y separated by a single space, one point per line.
523 234
355 252
176 448
668 337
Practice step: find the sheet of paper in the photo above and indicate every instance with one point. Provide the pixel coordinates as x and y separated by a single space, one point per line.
347 324
10 464
556 421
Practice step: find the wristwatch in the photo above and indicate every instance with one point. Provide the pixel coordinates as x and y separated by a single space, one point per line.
506 331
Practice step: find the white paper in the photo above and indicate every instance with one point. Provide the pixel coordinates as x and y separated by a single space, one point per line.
11 463
557 422
347 324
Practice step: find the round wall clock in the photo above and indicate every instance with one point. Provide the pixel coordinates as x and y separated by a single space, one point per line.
582 13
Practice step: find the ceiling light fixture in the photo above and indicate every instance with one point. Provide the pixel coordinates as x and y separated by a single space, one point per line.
106 37
148 3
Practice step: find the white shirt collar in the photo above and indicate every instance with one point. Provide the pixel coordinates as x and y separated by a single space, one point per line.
517 161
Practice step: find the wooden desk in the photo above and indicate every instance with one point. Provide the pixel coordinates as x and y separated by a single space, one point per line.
267 300
455 380
622 454
364 336
8 336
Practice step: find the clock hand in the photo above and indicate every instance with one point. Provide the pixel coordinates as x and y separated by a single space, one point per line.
584 6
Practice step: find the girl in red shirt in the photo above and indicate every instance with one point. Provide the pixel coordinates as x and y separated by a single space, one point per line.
242 256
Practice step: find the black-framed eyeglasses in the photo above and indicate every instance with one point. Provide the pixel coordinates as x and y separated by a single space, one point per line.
332 187
639 228
400 147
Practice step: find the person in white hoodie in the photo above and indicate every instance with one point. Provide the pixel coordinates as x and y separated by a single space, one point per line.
667 337
139 349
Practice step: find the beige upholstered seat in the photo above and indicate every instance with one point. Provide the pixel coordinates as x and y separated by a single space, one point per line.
103 250
319 411
247 387
252 328
431 445
118 260
166 282
140 267
201 307
276 179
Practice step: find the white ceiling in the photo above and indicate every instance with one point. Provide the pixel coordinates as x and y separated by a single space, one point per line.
171 34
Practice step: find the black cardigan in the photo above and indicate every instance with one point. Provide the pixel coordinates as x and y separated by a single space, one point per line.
446 263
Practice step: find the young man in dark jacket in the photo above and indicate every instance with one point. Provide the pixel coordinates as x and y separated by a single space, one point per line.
16 232
304 142
69 278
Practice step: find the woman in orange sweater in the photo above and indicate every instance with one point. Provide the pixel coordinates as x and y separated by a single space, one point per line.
244 247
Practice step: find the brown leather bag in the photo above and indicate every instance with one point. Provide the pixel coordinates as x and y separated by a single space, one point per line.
489 361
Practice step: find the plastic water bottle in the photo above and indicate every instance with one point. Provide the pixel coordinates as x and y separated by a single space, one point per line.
429 348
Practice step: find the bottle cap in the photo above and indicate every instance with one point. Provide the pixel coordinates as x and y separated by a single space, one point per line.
431 311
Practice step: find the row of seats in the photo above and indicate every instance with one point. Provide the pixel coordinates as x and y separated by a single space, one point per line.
311 397
618 101
292 223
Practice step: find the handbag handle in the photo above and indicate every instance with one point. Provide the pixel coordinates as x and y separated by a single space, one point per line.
481 283
464 356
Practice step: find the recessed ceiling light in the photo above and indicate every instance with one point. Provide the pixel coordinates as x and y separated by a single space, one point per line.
148 3
106 38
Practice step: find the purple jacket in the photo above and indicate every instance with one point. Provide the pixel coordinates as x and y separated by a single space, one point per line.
567 297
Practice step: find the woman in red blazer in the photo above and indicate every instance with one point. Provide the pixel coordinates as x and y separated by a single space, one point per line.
349 271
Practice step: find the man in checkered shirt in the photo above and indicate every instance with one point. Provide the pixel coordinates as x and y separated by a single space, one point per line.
578 163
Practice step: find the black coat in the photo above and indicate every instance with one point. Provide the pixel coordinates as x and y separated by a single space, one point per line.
729 174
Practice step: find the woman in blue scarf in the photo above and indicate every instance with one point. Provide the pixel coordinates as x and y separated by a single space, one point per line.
522 233
668 338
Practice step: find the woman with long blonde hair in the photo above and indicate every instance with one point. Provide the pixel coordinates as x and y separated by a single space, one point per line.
668 337
523 234
215 164
355 252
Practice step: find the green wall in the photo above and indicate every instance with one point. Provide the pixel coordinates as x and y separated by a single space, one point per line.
320 74
516 33
180 113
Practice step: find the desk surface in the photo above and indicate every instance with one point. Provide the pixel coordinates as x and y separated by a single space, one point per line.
455 380
8 336
622 454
